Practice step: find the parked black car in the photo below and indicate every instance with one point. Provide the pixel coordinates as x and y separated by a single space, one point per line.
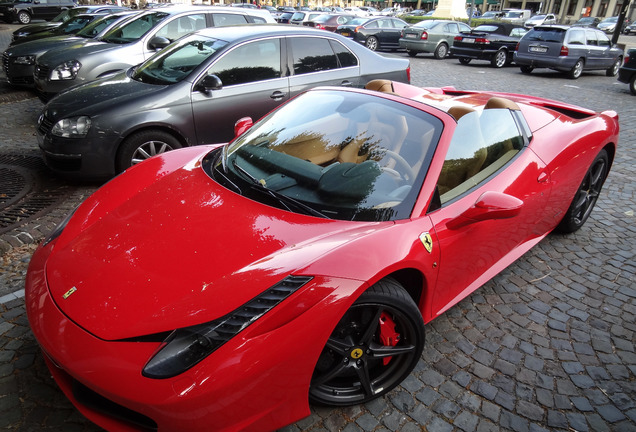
627 73
374 33
494 41
62 17
67 28
26 10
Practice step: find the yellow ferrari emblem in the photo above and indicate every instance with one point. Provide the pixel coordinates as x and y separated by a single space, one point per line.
427 241
356 353
68 293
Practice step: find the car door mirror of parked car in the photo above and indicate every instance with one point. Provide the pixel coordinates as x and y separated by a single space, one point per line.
159 42
209 83
242 125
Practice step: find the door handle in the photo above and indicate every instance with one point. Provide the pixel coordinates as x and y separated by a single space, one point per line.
346 83
277 95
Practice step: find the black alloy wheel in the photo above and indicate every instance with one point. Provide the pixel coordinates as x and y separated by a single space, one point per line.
358 363
586 196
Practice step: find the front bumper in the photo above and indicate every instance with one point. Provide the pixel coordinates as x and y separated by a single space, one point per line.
257 381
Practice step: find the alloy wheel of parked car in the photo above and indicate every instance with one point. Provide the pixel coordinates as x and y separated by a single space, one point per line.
500 59
372 43
143 145
526 69
613 70
441 51
376 344
464 60
587 195
24 17
577 70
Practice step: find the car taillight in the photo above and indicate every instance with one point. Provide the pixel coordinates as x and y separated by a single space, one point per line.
319 26
358 29
564 51
457 38
517 47
626 59
408 74
424 36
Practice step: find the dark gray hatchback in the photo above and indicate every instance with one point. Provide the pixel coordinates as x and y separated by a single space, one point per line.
194 91
567 49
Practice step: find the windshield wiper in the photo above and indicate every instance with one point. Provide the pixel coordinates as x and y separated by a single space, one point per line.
285 200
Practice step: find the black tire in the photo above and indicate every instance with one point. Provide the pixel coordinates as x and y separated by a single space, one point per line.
441 51
577 70
372 43
411 53
526 69
24 17
143 145
500 59
613 70
464 60
586 195
351 368
632 85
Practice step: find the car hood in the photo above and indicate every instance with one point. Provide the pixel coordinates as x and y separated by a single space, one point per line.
96 97
163 246
82 48
42 45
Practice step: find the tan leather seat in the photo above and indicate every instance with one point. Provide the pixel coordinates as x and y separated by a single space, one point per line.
381 85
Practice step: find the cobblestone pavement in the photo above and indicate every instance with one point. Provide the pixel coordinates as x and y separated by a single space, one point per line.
549 344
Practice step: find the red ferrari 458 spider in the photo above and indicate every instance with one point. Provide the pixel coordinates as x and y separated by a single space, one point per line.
225 288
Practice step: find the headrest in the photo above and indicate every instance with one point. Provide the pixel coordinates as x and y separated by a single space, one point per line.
458 111
381 85
499 102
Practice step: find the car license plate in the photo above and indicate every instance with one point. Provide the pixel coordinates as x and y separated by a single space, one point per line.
346 34
537 49
410 36
468 40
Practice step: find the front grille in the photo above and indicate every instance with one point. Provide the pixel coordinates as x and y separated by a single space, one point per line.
99 403
5 63
45 125
41 71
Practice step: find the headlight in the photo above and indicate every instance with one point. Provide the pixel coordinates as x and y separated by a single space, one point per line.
66 71
24 60
186 347
74 127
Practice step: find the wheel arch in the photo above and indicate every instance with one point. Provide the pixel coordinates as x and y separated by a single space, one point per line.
154 126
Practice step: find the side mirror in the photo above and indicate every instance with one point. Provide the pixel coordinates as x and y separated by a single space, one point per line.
158 43
242 125
210 82
489 206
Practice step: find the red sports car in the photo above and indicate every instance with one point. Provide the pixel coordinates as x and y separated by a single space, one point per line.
225 288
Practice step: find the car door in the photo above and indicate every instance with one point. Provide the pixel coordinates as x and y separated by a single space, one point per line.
391 34
46 9
492 193
607 57
315 61
253 83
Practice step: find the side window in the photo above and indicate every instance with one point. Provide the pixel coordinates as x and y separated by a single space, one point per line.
482 143
312 55
181 26
603 40
372 25
590 38
464 28
345 57
254 61
576 37
225 19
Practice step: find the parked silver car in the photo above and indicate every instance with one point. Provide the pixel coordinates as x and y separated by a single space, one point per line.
18 61
567 49
195 90
131 43
543 19
431 36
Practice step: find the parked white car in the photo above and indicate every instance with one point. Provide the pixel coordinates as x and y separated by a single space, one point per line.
544 19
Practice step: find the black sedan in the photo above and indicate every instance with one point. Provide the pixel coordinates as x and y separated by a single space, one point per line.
375 33
194 91
67 28
627 73
495 42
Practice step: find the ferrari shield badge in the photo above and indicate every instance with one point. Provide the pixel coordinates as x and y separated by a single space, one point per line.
68 293
427 241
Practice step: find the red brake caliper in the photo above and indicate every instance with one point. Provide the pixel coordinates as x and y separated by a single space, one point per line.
388 335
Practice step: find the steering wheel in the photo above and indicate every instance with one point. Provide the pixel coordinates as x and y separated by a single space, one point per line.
406 172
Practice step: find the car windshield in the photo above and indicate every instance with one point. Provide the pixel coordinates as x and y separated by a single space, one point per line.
427 24
486 28
351 157
547 34
94 28
74 24
537 18
172 64
130 31
610 20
